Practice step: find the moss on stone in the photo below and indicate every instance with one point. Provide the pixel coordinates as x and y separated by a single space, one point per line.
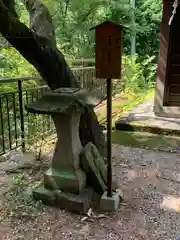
146 140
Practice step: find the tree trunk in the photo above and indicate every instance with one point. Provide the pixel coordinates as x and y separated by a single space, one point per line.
38 46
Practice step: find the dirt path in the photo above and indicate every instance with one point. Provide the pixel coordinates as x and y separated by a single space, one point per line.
151 184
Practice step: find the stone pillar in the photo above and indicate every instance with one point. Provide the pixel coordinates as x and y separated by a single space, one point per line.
65 173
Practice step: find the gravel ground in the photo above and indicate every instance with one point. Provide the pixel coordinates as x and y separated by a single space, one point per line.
150 181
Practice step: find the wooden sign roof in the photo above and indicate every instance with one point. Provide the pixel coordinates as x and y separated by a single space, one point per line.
109 37
108 22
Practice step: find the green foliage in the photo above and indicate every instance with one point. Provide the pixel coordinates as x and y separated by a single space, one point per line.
149 70
148 18
139 76
19 179
14 64
73 19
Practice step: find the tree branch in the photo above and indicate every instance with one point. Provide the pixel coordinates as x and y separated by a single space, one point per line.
48 61
66 8
10 5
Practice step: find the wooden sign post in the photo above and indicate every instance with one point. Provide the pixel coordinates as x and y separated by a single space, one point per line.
108 66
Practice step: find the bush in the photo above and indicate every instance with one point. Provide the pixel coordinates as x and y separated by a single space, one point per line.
138 76
14 65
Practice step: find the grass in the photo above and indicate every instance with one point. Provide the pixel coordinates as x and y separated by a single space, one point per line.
123 104
146 140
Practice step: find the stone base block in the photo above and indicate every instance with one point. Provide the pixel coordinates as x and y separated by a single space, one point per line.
71 182
74 203
110 204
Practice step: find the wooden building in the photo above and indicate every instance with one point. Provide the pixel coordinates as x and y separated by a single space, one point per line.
167 93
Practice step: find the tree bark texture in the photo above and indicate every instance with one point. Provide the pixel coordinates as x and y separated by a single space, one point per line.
38 45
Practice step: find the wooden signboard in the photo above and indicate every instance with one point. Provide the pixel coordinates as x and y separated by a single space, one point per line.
109 47
108 66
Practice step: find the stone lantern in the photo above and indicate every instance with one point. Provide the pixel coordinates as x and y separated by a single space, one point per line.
65 181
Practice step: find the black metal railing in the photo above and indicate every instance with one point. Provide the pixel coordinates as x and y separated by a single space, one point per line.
18 128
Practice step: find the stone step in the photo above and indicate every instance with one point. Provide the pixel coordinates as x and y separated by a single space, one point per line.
143 119
135 127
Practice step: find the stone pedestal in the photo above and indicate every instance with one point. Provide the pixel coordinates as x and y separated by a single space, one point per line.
110 204
78 203
65 173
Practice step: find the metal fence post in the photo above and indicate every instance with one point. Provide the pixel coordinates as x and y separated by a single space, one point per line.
21 108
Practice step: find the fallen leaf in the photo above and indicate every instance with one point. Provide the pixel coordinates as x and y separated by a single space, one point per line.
90 213
84 219
92 219
100 216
